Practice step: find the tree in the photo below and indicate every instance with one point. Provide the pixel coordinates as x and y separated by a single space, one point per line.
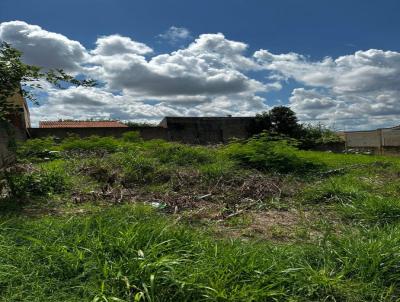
280 120
284 121
16 76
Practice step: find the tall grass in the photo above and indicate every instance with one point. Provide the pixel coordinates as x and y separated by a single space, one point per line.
134 254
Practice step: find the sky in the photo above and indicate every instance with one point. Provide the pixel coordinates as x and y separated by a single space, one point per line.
333 62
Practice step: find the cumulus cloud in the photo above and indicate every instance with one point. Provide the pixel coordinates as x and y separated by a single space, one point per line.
175 34
90 102
116 45
211 65
211 76
43 48
352 90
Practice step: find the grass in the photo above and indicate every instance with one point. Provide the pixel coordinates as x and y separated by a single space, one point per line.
250 221
128 252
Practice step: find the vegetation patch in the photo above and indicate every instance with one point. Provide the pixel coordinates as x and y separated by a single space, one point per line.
107 219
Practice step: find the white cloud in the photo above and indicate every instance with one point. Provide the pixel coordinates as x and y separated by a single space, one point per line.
43 48
211 76
356 91
175 34
89 102
211 65
116 44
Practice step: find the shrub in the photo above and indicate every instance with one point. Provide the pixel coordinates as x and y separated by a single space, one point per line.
267 153
136 168
314 136
100 169
92 143
131 136
36 183
182 155
36 148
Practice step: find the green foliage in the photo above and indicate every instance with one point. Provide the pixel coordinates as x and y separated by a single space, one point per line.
132 137
18 77
130 253
372 209
139 124
123 253
281 120
92 143
136 168
34 148
270 154
313 136
36 183
182 155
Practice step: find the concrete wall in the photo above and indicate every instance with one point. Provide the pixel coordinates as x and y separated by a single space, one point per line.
391 138
378 141
205 130
363 139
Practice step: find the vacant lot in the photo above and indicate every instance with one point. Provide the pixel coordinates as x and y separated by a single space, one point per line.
103 219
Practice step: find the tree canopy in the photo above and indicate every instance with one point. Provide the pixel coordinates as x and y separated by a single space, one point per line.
280 119
16 76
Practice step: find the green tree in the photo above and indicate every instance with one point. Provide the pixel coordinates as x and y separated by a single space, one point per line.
279 120
16 76
284 121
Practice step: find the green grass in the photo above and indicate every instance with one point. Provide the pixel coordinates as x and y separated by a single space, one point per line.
129 253
54 249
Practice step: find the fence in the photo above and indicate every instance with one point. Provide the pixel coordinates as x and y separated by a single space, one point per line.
380 141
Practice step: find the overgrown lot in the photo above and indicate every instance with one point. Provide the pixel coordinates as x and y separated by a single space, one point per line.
104 219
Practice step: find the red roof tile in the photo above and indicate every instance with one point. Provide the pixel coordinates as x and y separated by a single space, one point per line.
81 124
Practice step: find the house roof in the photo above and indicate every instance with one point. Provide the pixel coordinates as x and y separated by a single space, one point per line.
81 124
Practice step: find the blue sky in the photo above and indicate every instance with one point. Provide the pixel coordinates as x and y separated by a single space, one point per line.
310 29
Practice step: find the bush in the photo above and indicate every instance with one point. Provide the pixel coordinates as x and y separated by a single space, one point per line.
136 168
36 183
314 136
92 143
36 148
182 155
98 168
131 137
273 154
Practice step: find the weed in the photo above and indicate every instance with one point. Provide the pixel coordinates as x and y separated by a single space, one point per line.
92 143
133 252
131 137
268 154
36 183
